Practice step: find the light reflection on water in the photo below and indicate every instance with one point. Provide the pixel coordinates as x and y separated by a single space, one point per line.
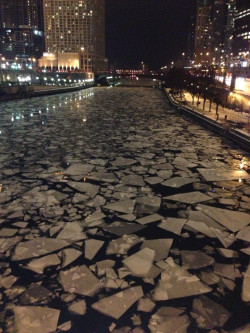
28 109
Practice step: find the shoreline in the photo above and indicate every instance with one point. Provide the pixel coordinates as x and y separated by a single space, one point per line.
235 135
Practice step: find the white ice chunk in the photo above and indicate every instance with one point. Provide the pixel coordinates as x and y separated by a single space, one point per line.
92 246
35 319
232 220
80 280
189 197
214 175
116 305
141 262
172 224
37 247
176 282
40 264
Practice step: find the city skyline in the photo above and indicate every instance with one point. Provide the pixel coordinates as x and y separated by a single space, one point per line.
73 33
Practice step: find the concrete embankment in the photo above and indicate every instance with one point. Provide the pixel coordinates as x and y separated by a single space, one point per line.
237 136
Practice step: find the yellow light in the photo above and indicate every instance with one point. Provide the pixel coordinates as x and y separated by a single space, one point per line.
242 164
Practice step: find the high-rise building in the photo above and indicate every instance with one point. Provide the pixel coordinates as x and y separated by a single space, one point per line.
241 43
231 12
203 41
74 34
21 28
191 40
218 31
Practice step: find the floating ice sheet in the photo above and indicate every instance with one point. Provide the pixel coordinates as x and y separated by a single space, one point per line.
160 324
122 161
244 234
177 182
78 307
72 232
224 237
37 247
6 243
103 177
200 227
123 244
89 189
246 286
80 280
147 205
160 246
149 219
184 162
209 314
133 180
79 169
35 293
216 175
38 265
176 282
116 305
141 262
195 259
120 228
92 246
70 255
125 206
172 224
232 220
189 197
35 319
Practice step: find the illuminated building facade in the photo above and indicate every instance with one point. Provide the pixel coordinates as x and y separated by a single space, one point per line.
203 41
191 39
76 27
231 13
241 44
21 28
218 31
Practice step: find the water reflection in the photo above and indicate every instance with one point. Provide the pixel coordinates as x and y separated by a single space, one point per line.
32 110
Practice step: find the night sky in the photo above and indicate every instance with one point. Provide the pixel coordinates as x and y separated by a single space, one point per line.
152 31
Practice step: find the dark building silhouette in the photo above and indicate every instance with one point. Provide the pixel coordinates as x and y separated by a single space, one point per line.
241 44
219 13
21 28
231 12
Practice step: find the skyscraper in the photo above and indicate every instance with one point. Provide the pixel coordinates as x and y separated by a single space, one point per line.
75 34
21 28
241 44
231 12
218 31
203 41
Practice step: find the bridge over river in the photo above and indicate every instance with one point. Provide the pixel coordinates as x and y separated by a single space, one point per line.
120 215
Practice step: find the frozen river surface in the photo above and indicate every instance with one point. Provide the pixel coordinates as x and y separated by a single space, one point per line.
119 215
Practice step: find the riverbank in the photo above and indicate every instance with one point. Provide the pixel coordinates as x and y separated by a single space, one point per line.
219 126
